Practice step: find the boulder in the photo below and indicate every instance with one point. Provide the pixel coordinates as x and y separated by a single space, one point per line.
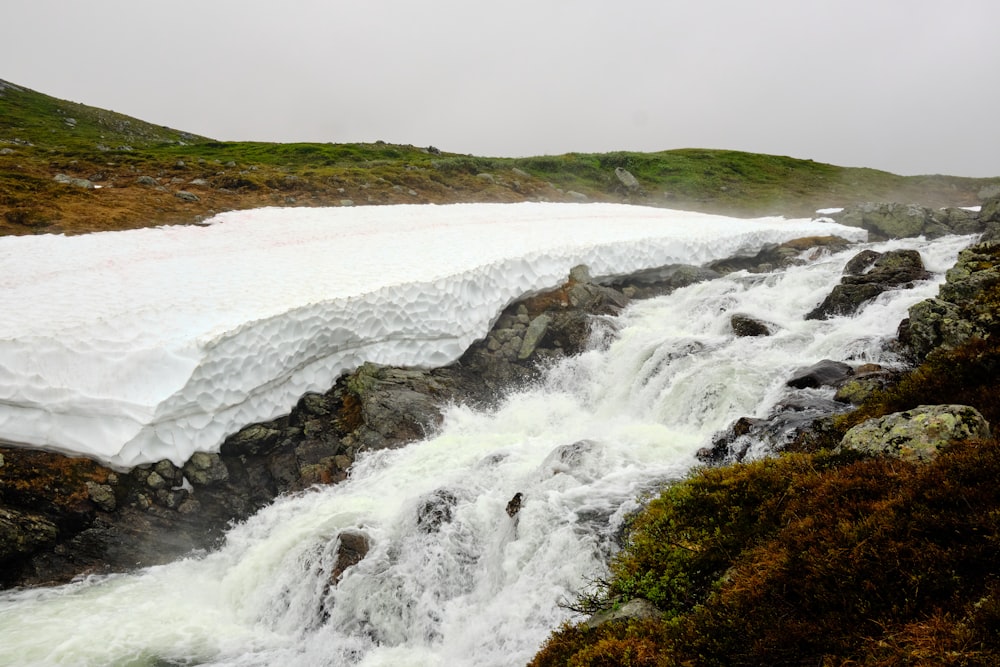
745 325
892 221
826 373
628 181
75 182
919 434
963 308
352 547
869 274
634 609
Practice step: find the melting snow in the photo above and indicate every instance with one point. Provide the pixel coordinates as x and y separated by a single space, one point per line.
131 347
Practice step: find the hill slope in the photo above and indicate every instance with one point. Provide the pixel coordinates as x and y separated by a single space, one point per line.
118 172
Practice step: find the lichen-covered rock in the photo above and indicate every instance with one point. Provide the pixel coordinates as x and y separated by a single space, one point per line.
892 221
918 434
966 305
203 469
634 609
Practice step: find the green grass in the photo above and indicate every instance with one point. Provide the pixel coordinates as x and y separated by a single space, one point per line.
44 141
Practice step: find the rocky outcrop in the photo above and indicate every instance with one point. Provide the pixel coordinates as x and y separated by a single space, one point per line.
892 221
869 274
919 434
966 305
779 256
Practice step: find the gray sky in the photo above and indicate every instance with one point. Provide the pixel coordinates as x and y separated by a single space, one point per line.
909 86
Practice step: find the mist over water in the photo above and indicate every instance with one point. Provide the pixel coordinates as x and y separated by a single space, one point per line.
602 431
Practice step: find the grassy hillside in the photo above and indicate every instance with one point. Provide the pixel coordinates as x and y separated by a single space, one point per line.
135 171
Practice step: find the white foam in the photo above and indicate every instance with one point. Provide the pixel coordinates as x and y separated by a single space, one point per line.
131 347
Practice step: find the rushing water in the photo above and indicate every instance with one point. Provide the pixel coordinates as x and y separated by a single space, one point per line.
602 431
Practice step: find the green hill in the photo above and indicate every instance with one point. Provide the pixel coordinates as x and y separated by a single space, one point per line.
119 172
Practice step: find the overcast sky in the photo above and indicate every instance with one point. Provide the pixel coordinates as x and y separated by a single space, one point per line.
909 86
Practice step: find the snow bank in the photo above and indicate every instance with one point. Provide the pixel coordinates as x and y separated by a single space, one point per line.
131 347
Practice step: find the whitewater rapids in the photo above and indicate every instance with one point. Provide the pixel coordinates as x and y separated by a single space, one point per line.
584 446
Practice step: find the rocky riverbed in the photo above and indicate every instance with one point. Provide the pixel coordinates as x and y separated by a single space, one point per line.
62 517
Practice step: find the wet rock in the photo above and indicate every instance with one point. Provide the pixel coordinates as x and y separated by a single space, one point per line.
663 280
102 495
23 533
918 434
867 277
826 373
745 325
867 379
352 547
514 505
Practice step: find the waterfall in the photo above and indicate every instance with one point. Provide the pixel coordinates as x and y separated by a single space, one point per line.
468 584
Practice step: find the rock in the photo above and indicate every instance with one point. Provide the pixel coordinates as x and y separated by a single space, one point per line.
347 202
75 182
826 373
514 505
489 178
203 469
991 191
962 309
578 196
533 335
200 182
352 547
864 383
867 277
184 195
627 180
23 533
918 434
102 495
745 325
892 221
990 210
634 609
6 151
662 280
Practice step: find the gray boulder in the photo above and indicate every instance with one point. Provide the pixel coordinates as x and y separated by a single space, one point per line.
634 609
918 434
628 181
892 221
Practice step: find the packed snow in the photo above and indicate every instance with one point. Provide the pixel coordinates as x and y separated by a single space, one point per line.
132 347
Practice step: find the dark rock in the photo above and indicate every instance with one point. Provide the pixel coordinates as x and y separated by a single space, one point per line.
352 547
745 325
514 505
826 373
867 277
662 280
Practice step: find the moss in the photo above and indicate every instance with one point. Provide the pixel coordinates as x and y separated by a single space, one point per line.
814 559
